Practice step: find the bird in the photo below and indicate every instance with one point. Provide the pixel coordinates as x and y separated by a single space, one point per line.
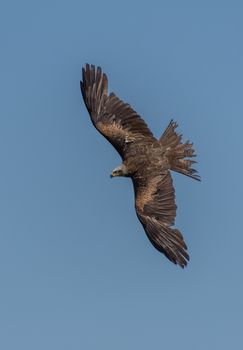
146 160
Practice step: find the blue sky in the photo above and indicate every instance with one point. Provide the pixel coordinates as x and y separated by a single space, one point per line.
76 269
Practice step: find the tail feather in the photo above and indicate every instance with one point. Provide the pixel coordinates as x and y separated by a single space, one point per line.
178 152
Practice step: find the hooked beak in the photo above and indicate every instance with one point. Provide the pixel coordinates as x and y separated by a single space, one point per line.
113 174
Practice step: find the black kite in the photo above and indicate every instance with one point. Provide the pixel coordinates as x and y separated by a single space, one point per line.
146 160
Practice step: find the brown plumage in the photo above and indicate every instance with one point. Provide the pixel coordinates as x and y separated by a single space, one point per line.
146 160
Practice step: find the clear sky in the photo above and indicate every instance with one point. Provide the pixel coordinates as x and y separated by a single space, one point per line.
76 268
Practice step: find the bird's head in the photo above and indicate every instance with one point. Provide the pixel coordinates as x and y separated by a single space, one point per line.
119 171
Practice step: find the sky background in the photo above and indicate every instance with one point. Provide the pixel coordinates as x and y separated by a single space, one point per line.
76 269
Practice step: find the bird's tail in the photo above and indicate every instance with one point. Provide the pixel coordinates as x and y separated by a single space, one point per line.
178 152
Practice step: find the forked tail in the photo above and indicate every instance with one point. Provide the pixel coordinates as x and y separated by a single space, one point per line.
178 152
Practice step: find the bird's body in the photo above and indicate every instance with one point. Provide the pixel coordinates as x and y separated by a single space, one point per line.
146 160
140 165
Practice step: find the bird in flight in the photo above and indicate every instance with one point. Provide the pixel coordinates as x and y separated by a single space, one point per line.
146 160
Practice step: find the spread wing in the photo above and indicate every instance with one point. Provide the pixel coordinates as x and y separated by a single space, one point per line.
156 210
113 118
